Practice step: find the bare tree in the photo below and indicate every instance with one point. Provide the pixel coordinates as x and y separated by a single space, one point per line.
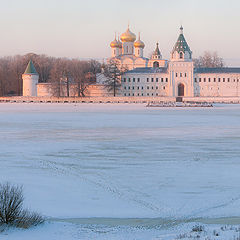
209 60
113 72
80 73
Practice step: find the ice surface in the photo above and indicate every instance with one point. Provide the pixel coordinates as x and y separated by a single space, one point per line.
123 160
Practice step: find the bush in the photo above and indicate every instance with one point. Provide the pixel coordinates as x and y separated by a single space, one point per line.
11 208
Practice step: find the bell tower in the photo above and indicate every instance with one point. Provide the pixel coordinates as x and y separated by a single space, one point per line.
181 68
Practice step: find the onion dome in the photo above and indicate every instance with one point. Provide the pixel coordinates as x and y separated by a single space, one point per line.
119 43
139 43
128 36
114 43
181 44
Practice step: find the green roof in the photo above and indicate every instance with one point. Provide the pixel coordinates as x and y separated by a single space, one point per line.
157 51
30 68
181 45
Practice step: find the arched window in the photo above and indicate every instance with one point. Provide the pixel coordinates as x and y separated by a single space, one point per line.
156 64
181 55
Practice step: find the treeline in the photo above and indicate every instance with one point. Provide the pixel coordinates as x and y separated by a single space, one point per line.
57 71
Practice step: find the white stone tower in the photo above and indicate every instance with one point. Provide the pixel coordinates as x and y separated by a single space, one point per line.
128 38
181 69
30 81
139 46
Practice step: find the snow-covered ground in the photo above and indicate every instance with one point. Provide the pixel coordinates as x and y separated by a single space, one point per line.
137 171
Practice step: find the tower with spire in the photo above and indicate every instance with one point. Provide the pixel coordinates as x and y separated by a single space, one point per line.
30 80
181 68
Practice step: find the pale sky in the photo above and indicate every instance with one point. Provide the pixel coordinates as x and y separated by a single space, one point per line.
85 28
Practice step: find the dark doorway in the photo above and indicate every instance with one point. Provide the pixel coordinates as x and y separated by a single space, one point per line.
180 90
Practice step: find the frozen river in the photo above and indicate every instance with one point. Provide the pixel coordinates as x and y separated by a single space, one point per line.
123 161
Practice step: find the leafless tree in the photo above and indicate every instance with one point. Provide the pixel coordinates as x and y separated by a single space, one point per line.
113 73
209 60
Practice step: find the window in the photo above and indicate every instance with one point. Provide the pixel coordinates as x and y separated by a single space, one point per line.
152 80
133 88
176 74
156 94
142 94
142 88
138 88
147 79
219 79
147 87
129 88
156 87
166 79
138 79
133 79
129 80
156 79
125 87
156 64
152 87
124 79
204 79
214 79
228 79
148 94
161 79
133 94
164 88
180 74
185 74
199 80
152 94
195 79
223 79
129 94
181 55
209 79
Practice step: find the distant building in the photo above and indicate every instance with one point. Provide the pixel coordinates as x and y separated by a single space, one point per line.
177 77
151 77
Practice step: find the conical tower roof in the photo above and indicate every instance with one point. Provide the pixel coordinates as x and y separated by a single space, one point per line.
157 51
30 69
181 44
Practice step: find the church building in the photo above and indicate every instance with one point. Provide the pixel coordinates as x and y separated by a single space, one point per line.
171 78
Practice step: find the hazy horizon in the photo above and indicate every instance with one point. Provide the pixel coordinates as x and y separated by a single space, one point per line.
84 29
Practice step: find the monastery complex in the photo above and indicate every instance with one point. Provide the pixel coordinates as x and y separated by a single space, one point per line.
152 77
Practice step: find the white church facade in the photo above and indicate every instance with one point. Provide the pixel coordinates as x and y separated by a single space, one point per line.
176 77
152 77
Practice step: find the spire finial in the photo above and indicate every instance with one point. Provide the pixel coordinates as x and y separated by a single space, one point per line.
139 35
128 24
181 29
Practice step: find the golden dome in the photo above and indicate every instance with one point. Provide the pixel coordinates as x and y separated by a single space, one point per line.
114 43
139 43
128 36
119 43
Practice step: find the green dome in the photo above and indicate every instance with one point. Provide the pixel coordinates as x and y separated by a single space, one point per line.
30 69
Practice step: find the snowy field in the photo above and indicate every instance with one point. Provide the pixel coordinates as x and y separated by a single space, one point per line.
122 171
